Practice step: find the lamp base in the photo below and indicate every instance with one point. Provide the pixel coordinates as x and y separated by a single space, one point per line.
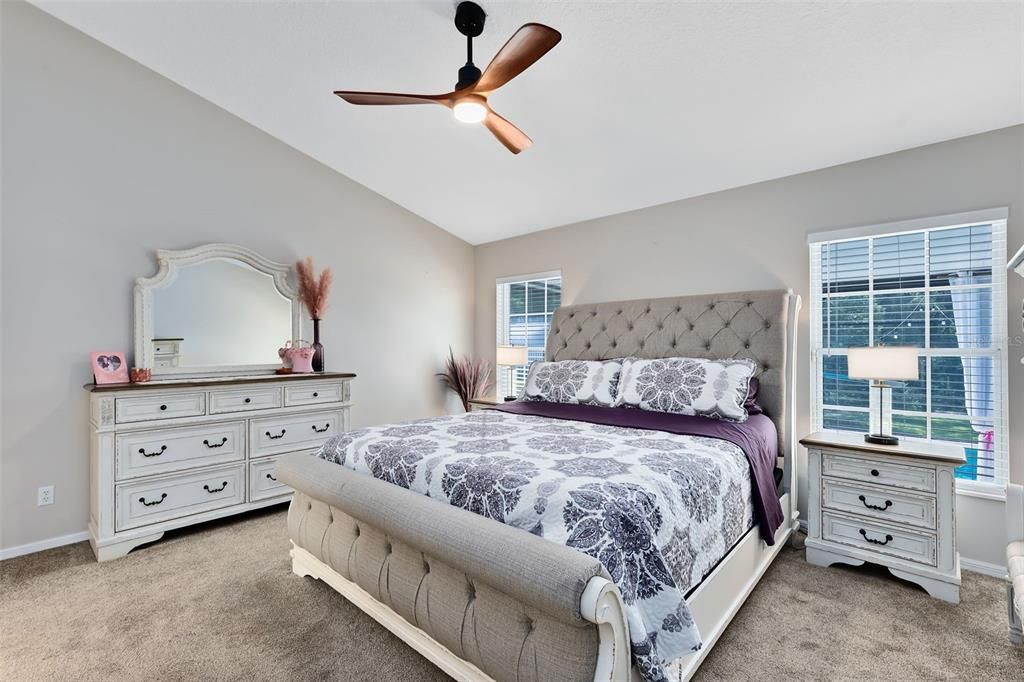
509 398
879 439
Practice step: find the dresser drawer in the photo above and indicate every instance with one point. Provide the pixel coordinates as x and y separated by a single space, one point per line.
166 347
880 538
308 393
275 435
263 481
879 472
156 452
146 408
887 504
244 399
146 502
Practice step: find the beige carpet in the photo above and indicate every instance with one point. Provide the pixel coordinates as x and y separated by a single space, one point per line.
220 603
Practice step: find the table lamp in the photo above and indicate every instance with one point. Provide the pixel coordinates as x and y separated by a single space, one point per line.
879 364
509 357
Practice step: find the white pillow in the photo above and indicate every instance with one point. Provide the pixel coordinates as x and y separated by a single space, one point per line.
582 382
691 386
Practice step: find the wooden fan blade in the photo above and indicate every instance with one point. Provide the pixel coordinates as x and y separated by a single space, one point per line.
354 97
526 46
510 136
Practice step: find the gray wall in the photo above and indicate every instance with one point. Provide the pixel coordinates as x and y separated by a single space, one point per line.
105 161
756 237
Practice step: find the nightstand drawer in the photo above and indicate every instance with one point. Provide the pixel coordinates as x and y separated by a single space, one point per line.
879 472
886 504
879 538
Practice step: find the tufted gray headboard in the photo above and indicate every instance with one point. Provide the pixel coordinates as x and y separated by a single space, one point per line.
745 324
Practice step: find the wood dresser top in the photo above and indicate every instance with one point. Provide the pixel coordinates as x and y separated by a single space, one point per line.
911 449
217 381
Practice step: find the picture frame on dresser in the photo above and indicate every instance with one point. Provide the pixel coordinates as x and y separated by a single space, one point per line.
889 505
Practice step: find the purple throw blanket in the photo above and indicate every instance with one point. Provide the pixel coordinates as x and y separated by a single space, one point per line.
757 437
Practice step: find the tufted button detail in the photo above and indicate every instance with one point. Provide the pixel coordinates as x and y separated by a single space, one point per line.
746 345
641 345
764 365
472 592
615 344
691 326
726 324
572 314
679 309
309 506
711 306
750 303
707 346
387 548
357 531
330 519
767 324
673 344
532 624
588 345
426 567
620 312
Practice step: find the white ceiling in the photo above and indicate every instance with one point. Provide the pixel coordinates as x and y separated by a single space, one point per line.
640 104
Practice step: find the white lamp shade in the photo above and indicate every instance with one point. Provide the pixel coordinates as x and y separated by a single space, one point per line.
511 356
883 362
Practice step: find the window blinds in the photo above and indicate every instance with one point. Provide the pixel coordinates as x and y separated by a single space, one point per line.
524 309
940 289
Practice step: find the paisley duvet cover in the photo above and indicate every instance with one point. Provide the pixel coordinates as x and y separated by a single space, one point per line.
658 509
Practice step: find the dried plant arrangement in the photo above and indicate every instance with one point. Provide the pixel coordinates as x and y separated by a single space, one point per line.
467 377
313 290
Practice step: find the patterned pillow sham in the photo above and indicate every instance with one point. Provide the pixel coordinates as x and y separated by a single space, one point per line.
692 386
582 382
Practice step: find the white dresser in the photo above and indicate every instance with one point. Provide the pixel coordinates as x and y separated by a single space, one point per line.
169 454
888 505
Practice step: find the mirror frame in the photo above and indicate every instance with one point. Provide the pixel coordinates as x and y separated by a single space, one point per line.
169 262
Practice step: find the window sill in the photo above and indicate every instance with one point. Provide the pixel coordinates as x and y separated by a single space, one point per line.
984 492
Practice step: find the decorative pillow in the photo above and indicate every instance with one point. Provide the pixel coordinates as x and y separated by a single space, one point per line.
583 382
692 386
751 405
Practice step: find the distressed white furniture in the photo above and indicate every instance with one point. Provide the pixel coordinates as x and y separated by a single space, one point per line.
1015 561
166 352
887 505
234 307
164 455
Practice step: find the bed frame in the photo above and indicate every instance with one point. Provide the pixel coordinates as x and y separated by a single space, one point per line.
329 519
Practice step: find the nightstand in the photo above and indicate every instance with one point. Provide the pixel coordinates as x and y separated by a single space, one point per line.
477 404
888 505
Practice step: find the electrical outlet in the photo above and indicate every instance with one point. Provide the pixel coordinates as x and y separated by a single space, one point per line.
44 496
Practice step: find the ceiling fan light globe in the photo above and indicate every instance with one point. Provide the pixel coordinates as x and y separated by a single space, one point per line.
470 111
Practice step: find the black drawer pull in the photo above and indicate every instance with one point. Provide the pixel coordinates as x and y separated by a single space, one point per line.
888 503
886 541
874 472
271 477
216 445
163 496
326 426
162 450
248 400
280 435
315 394
163 407
208 489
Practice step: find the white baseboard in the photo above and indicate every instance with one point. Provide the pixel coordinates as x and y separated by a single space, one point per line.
49 543
983 567
973 565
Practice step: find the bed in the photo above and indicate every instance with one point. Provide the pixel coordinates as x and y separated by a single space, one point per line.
486 594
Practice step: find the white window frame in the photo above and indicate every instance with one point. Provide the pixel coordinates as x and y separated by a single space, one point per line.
502 314
997 217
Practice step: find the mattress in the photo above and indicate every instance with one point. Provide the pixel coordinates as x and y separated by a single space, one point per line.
658 508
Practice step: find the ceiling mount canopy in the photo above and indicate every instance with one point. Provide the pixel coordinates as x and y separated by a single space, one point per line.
468 101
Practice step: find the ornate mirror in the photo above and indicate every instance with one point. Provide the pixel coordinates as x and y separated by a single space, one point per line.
214 310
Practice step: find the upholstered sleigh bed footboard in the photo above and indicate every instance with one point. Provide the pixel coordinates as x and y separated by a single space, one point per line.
514 606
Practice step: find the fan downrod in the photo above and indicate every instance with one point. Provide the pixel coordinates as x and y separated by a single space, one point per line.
469 20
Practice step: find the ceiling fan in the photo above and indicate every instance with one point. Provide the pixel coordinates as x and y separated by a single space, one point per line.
468 101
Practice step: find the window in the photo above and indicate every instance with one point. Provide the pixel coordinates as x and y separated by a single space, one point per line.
938 285
525 305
